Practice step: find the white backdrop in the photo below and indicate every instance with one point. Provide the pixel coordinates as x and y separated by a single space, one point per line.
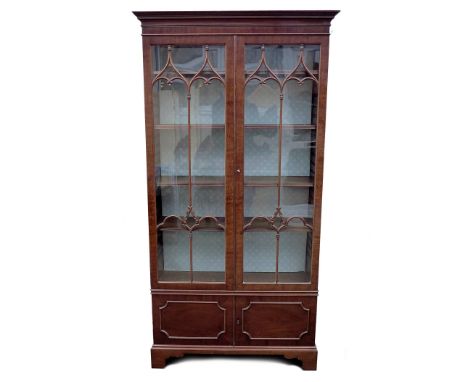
74 270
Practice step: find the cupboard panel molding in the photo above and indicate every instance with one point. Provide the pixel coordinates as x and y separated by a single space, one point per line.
192 312
280 332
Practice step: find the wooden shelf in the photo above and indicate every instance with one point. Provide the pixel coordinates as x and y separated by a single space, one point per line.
249 277
272 181
222 126
285 126
215 181
193 126
269 277
184 276
297 181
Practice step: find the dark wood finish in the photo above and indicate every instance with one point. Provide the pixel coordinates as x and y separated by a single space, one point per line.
285 277
285 126
187 319
267 313
203 277
307 355
221 292
236 23
275 321
162 127
271 181
214 181
181 319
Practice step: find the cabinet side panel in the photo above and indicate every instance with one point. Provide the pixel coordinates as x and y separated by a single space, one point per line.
150 159
319 160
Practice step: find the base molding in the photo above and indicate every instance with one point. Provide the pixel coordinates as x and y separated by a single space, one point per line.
307 355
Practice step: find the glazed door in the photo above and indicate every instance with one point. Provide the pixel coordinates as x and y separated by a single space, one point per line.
189 120
278 133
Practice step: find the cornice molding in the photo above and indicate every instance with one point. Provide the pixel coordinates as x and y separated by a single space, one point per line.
235 15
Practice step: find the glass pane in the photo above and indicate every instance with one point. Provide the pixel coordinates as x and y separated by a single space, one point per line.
185 58
259 257
312 57
207 151
208 256
208 201
216 55
173 256
252 56
170 105
299 103
207 103
297 201
171 200
282 59
298 153
171 153
294 257
262 103
261 152
159 57
260 201
188 59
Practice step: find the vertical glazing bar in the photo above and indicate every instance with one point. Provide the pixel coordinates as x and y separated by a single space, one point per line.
277 258
191 256
189 151
280 149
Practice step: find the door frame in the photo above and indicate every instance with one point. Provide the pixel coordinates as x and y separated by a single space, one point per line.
240 42
228 42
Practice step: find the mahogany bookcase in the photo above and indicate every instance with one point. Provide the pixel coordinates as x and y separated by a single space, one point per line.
235 123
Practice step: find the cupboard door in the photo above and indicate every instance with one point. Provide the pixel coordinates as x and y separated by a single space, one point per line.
275 321
280 87
182 319
190 128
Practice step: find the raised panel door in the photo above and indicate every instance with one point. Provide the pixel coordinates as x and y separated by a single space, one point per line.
275 321
193 319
